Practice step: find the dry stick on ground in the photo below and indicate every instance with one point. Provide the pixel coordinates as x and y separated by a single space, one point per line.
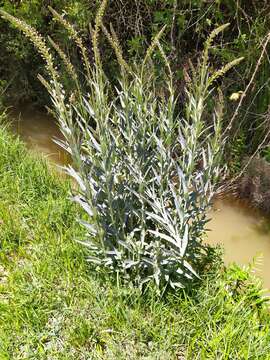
172 35
252 102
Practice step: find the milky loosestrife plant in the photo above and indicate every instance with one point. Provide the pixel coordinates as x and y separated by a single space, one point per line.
146 173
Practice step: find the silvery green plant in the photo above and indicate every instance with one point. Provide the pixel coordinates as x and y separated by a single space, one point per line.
146 173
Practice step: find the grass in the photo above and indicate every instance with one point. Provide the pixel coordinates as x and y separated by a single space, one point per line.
52 306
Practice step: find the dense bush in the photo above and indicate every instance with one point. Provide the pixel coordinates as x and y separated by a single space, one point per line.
19 76
147 174
188 23
52 307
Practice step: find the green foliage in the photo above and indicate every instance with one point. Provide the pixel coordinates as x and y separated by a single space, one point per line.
237 150
188 25
52 307
266 154
146 175
21 74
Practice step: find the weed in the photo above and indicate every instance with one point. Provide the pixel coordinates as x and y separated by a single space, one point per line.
146 174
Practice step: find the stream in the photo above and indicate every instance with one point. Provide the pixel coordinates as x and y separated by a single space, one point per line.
242 232
37 129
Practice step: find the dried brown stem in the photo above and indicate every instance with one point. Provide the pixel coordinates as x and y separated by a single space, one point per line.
267 39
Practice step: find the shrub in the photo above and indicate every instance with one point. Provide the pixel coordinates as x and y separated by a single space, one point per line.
146 173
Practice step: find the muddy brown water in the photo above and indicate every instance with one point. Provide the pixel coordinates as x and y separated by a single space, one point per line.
242 232
37 129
